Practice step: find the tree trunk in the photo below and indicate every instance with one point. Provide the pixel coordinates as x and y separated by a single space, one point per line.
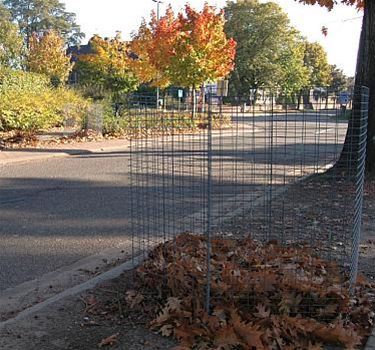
365 76
203 98
299 96
193 103
370 82
306 99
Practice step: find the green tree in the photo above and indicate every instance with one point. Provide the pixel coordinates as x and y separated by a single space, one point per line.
316 61
339 81
262 32
108 68
11 43
44 15
47 55
295 75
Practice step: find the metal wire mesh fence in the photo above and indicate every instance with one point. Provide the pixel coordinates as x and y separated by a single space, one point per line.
238 173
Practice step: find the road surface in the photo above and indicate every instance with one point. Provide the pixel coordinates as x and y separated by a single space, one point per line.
57 211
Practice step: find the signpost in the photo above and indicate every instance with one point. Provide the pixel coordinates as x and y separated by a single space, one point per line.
180 94
222 88
222 91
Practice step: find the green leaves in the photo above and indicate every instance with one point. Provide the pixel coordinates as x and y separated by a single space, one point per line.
29 103
44 15
261 31
271 53
315 59
11 43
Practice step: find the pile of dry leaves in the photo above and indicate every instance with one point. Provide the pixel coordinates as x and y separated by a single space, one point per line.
263 296
21 139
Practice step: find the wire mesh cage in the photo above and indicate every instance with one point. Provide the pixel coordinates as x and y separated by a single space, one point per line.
234 197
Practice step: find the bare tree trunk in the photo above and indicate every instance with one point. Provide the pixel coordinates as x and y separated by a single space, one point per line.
370 82
365 76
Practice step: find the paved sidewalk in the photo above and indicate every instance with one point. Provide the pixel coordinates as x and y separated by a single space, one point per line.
8 156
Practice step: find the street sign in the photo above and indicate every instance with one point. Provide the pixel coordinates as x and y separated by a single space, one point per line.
222 88
343 98
180 93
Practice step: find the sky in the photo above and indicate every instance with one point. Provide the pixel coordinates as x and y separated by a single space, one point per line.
343 23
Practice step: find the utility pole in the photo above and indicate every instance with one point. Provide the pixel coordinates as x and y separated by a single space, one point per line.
158 2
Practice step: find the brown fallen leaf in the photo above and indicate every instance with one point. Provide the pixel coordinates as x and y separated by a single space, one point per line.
109 341
166 330
262 311
133 298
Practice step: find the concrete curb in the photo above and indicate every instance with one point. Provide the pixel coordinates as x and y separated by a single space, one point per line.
15 156
111 274
22 296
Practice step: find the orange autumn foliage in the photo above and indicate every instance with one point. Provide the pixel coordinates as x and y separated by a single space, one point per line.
331 3
186 50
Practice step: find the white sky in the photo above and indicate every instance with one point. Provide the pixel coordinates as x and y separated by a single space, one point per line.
106 17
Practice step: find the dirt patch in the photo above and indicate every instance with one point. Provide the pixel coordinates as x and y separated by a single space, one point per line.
82 322
319 212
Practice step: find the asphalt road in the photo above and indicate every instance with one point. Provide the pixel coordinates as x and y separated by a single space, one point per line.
57 211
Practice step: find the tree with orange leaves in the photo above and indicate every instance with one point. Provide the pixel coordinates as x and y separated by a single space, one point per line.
187 50
154 45
365 71
202 52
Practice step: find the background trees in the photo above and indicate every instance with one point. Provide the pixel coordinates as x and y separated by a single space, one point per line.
154 45
295 75
44 15
47 55
186 50
270 52
260 30
339 81
316 61
11 42
33 39
202 51
107 67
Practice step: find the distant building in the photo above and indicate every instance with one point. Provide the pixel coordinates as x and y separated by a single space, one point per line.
77 50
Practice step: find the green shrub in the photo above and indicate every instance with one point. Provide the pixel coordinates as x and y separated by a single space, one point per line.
115 126
17 80
29 103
